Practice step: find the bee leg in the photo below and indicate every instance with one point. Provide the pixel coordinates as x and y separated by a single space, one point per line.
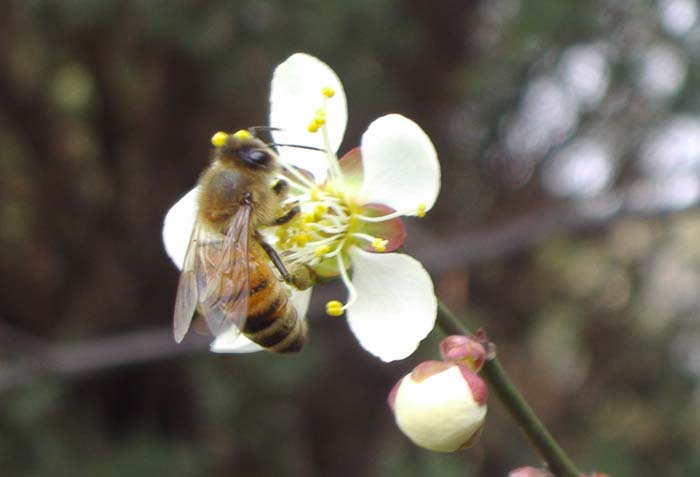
301 278
289 215
276 260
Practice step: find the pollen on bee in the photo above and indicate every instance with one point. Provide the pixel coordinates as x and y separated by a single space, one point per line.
219 139
334 308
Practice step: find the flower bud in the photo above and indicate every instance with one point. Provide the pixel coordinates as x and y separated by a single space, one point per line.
464 349
440 406
530 472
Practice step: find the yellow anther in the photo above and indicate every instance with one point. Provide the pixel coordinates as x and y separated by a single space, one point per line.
219 139
327 91
302 239
319 210
319 121
334 308
420 211
322 250
242 134
307 217
379 245
313 127
314 194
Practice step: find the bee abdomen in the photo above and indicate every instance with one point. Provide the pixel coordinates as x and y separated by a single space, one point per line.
273 322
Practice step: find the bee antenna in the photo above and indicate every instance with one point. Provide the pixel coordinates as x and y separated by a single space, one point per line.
254 129
299 146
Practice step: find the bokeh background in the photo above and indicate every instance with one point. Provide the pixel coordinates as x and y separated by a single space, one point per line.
567 226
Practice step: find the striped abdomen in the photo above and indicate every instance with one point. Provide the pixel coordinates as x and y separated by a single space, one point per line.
272 321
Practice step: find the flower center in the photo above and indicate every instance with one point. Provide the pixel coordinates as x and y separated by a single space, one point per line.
333 218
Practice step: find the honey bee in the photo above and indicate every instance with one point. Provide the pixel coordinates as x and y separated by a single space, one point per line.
227 276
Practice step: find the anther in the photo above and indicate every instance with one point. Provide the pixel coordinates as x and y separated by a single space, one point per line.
313 127
319 210
219 139
327 91
242 134
322 250
334 308
420 211
379 245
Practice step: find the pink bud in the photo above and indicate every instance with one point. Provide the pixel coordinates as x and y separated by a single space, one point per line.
440 406
464 349
530 472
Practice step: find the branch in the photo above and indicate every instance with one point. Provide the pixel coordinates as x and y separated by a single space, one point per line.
538 435
69 360
494 242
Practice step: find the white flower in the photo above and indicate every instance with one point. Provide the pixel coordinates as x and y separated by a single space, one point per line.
440 406
351 209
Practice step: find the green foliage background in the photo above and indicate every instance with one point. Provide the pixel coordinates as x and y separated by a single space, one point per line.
106 110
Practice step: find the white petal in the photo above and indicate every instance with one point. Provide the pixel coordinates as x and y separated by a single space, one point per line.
235 342
401 167
300 300
396 304
178 225
295 96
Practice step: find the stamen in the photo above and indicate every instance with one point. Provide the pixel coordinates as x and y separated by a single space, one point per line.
334 308
352 294
380 218
242 134
379 245
219 139
327 91
420 212
322 250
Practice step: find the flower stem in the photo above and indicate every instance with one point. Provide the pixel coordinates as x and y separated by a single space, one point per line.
548 449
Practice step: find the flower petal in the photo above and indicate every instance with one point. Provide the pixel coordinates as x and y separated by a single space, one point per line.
400 165
233 341
396 304
178 225
392 230
295 97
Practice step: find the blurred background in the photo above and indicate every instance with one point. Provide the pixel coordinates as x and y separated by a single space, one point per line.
567 227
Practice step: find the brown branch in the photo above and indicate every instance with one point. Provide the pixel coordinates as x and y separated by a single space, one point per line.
70 360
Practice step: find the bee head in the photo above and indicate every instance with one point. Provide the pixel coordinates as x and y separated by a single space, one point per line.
243 148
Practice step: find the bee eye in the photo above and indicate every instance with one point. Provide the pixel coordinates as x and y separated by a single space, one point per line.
255 157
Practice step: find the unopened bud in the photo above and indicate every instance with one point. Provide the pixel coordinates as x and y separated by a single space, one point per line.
440 406
463 349
530 472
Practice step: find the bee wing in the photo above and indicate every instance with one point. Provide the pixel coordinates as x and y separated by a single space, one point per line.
223 293
187 289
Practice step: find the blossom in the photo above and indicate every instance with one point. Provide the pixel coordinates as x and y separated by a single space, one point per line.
351 208
440 406
351 211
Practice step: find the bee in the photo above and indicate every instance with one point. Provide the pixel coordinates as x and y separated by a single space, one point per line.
227 275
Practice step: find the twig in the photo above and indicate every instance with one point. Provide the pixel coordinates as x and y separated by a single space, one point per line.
74 359
553 455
